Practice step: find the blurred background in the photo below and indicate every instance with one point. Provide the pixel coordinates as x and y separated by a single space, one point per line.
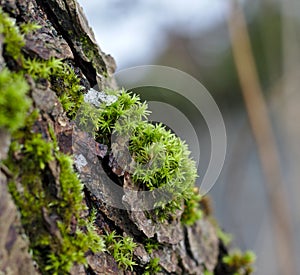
247 54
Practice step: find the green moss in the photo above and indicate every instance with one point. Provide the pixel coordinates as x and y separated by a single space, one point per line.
37 151
14 35
192 210
59 236
152 267
73 246
63 78
87 47
224 237
13 39
161 159
151 245
40 68
71 188
29 27
88 118
240 263
67 86
121 248
13 100
127 106
51 205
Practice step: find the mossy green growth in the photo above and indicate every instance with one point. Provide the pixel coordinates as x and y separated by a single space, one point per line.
240 263
224 237
13 38
161 159
128 107
29 27
150 245
63 78
88 47
192 210
14 35
14 102
88 118
121 248
152 267
59 236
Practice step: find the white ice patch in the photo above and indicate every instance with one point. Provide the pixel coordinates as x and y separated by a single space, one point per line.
80 161
97 98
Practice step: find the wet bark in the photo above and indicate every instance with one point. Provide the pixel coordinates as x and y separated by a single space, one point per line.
65 34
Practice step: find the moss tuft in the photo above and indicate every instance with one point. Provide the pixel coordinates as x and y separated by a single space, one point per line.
121 248
152 267
63 78
13 39
29 27
151 245
59 236
192 210
240 263
161 159
13 100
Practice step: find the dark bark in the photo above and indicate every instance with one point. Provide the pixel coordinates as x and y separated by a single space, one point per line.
65 34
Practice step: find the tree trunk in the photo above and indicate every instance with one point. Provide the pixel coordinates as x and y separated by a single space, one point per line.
65 35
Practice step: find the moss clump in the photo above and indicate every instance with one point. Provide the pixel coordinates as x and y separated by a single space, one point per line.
13 38
88 118
224 237
13 100
14 35
161 159
239 263
63 78
192 211
128 107
51 205
152 267
88 47
37 151
151 245
59 236
121 248
29 27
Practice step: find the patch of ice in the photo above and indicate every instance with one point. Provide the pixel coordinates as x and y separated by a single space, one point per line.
97 98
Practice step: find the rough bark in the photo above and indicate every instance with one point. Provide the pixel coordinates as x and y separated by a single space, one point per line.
65 34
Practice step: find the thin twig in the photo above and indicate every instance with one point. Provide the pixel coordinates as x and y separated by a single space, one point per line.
263 135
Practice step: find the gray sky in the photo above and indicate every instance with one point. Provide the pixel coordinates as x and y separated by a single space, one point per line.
132 31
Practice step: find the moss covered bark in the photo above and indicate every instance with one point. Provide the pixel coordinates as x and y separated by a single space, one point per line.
49 62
